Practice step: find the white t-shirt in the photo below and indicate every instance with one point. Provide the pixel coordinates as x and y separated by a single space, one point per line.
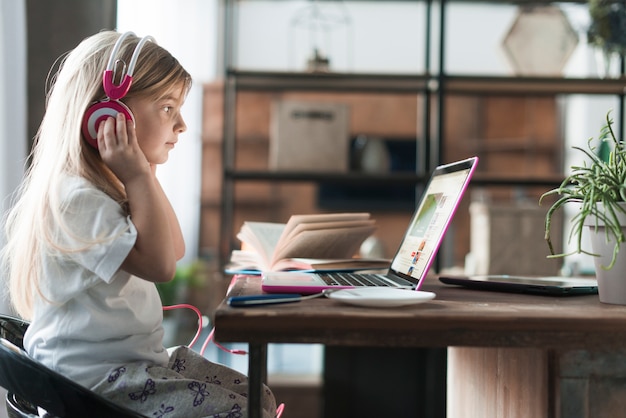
97 316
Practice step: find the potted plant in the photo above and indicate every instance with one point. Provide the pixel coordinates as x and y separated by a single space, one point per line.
176 290
607 30
598 188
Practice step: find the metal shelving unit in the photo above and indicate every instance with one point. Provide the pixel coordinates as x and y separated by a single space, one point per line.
237 80
431 87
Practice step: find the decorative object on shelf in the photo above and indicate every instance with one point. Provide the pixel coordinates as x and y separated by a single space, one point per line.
309 136
606 61
599 189
540 41
320 22
318 63
607 32
370 155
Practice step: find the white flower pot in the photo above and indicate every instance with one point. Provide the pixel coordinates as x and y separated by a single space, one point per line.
611 283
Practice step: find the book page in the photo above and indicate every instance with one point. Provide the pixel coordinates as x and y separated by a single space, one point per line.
296 220
285 240
262 237
245 260
334 243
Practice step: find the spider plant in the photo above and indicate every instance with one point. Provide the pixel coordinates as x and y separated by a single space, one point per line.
598 186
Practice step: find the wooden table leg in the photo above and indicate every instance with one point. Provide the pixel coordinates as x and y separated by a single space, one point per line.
498 382
257 376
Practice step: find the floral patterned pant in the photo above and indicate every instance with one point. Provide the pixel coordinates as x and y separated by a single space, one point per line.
189 387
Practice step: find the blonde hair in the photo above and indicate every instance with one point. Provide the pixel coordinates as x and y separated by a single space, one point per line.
59 150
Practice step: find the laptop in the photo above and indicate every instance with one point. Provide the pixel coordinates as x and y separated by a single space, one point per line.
416 252
546 285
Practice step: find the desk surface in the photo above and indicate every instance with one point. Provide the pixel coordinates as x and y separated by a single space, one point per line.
456 317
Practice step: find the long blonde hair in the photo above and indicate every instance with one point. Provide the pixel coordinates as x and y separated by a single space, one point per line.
59 150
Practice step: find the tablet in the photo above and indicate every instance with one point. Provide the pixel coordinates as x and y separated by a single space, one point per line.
547 285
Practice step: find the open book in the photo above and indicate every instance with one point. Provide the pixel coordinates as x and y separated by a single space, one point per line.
306 242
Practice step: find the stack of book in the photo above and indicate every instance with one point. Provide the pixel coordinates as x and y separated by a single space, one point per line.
317 242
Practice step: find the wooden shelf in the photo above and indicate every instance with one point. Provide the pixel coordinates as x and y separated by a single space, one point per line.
386 179
486 85
299 81
404 83
348 177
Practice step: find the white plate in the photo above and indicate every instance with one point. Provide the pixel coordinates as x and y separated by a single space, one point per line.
380 296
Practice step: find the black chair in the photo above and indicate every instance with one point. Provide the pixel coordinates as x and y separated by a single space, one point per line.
33 390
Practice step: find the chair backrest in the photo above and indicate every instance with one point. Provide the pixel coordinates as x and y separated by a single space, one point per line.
13 329
30 380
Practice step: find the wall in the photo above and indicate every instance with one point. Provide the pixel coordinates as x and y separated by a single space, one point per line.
13 146
55 27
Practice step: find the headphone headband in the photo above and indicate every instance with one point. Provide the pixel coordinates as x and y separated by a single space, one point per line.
111 106
113 91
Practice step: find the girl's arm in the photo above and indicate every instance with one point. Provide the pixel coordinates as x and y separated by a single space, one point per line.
177 234
153 256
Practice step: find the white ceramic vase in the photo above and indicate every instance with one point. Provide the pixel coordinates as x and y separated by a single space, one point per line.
611 283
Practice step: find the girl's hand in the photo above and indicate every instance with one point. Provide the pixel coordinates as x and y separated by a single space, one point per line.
119 149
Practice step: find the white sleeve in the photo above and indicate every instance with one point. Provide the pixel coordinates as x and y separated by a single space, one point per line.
99 233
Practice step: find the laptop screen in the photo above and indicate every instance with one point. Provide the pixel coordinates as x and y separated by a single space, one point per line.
430 221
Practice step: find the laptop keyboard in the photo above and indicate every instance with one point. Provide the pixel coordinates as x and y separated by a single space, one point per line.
352 279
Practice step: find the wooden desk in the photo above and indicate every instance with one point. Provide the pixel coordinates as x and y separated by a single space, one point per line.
510 355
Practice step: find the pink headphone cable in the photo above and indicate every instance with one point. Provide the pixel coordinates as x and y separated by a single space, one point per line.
211 337
196 310
199 331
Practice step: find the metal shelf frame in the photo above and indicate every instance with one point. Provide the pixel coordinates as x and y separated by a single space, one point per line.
430 87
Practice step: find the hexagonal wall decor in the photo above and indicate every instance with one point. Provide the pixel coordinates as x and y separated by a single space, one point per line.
540 41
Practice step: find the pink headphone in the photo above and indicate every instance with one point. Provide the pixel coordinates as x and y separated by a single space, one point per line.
112 105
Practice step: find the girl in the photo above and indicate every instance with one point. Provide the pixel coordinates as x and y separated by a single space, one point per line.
92 231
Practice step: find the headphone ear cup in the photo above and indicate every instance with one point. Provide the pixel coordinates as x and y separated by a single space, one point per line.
99 112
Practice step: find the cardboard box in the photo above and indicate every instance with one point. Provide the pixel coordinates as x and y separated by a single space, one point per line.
509 239
308 136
